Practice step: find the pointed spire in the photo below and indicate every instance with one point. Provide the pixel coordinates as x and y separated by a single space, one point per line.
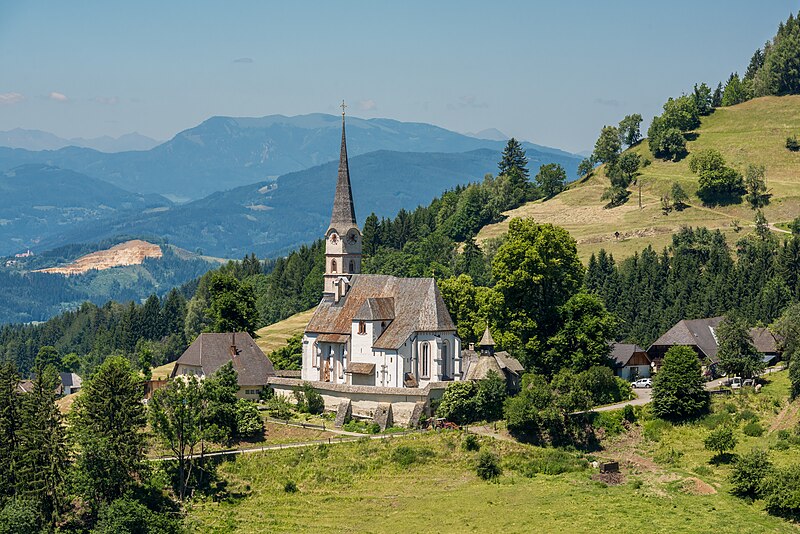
487 340
344 214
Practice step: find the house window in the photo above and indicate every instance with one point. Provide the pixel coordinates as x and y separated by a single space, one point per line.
352 266
314 354
333 266
362 327
426 360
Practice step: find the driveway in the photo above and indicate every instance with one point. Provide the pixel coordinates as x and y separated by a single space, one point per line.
643 396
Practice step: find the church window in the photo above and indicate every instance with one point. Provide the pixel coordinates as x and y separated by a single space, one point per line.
333 266
445 363
352 266
314 355
362 327
426 360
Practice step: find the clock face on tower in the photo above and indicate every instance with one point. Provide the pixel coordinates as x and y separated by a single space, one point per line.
352 238
334 238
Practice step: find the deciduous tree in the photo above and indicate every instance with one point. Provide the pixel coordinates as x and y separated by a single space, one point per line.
678 389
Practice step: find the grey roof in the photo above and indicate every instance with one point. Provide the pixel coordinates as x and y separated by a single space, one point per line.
344 214
418 307
376 309
212 351
486 340
503 360
764 340
698 333
480 369
70 380
621 353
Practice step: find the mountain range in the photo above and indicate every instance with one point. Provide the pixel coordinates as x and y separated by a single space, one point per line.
39 140
225 152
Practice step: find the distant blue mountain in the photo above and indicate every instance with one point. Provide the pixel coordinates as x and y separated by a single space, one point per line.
224 152
273 217
39 140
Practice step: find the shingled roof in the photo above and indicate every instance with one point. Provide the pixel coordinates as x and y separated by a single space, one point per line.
418 307
698 333
764 340
212 351
621 353
344 213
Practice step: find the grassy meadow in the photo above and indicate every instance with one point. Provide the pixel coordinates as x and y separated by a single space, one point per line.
752 132
427 482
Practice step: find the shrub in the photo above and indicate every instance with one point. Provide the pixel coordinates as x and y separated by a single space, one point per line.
629 414
308 400
753 429
488 467
748 472
780 490
720 440
290 487
279 408
792 143
714 420
678 389
470 443
129 515
404 456
610 421
459 402
784 434
248 420
747 415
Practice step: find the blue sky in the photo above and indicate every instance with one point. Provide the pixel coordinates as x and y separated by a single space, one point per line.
553 73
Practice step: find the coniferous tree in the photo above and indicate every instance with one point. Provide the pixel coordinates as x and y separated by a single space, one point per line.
513 158
737 355
42 446
716 98
10 400
108 420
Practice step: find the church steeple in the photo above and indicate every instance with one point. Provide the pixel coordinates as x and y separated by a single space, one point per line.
343 238
344 214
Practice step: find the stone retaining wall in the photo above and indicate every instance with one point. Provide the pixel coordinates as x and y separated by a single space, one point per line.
365 399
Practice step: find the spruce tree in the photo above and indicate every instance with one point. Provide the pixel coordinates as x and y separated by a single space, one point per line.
9 429
513 158
108 421
737 355
42 446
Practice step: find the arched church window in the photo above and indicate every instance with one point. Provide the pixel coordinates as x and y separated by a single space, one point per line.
352 266
426 360
362 327
333 266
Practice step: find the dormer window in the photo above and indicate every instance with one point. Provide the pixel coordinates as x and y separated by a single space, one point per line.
362 327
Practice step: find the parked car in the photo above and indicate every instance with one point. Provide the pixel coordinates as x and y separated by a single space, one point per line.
735 382
642 383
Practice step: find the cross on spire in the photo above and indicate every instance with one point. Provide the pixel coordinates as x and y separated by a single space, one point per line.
343 106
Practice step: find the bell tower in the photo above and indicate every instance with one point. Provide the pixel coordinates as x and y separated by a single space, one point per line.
343 238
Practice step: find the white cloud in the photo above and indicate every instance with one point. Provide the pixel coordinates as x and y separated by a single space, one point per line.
366 105
11 98
58 97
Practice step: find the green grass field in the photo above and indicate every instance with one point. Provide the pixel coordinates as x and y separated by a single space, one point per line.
752 132
364 486
275 335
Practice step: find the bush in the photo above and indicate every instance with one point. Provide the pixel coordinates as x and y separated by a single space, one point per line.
714 420
488 467
610 421
753 429
459 402
129 515
404 456
747 415
279 408
470 443
748 473
792 143
248 420
780 490
308 400
290 487
629 414
678 389
720 440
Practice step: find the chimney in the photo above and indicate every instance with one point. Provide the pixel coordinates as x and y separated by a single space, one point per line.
233 344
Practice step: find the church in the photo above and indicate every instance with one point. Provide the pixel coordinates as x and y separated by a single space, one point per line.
375 330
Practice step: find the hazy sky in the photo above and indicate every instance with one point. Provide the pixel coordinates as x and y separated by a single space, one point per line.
552 73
